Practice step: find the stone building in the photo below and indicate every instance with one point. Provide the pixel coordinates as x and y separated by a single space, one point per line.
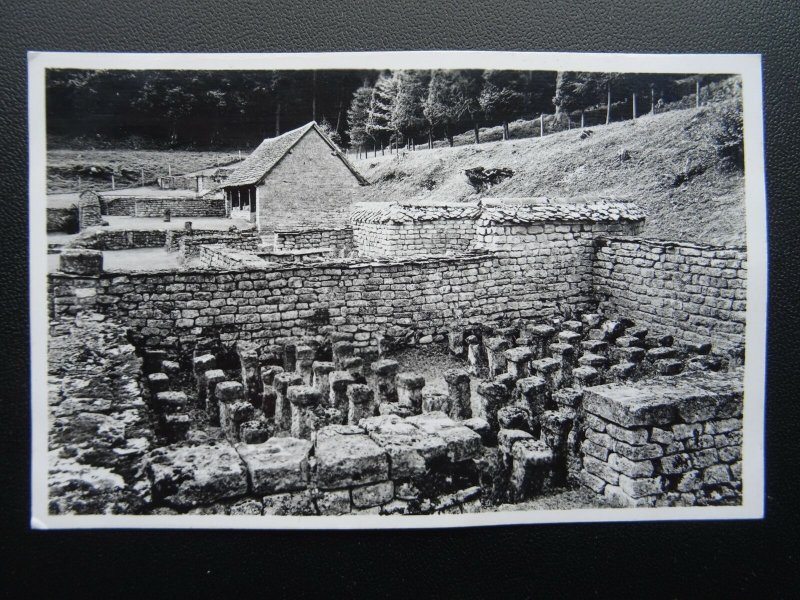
298 179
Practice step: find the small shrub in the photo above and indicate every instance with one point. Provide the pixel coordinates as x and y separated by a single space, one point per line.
729 138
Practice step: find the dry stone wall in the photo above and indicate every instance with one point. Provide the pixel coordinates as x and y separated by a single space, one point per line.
696 293
363 300
674 442
305 239
179 207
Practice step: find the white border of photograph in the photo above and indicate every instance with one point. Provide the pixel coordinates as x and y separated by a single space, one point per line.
748 66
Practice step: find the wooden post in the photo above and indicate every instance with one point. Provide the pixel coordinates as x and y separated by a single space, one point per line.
142 177
582 119
113 184
169 169
240 155
634 106
608 106
652 100
541 125
79 183
697 93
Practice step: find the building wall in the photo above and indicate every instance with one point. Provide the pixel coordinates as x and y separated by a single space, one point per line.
365 300
309 187
180 207
306 239
413 238
695 293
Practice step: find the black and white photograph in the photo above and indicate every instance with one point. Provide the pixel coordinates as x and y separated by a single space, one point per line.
406 289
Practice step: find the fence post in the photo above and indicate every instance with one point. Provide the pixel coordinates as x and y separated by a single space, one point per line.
541 126
113 183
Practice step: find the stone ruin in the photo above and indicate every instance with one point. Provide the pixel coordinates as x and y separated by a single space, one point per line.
548 388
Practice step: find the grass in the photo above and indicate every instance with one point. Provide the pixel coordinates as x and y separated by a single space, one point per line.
95 167
670 168
667 163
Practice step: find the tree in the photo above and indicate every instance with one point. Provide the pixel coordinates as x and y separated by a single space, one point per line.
446 102
357 116
502 97
407 111
379 119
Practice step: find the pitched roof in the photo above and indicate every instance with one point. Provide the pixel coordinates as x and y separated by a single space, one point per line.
270 152
495 213
409 211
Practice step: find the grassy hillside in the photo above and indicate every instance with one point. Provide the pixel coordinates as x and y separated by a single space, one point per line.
95 167
668 163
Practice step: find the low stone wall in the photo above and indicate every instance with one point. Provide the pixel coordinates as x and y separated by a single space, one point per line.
189 245
118 206
305 239
221 256
696 293
180 207
120 239
671 442
364 300
413 229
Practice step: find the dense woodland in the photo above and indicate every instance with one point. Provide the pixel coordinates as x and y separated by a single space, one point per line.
362 110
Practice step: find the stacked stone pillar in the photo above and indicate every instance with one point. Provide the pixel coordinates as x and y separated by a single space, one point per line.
459 394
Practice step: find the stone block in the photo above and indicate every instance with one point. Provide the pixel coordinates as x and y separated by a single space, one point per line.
636 488
636 436
158 382
495 355
435 402
376 494
81 262
322 371
346 456
589 448
339 381
515 416
411 451
171 402
517 360
277 465
203 363
506 438
462 442
600 469
188 476
232 415
631 468
176 427
341 350
229 391
360 403
295 504
333 503
283 408
268 374
479 426
213 378
459 394
303 399
409 390
531 464
256 431
492 397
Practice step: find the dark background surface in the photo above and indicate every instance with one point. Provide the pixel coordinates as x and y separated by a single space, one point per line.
640 560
